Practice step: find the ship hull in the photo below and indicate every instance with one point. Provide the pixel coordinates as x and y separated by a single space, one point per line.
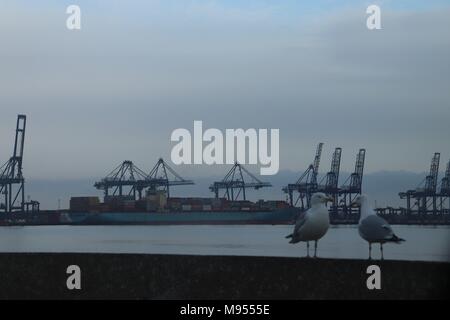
279 216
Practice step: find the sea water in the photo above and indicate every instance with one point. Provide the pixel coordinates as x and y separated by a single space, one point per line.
423 243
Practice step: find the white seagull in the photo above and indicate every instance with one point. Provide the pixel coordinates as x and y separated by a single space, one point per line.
372 228
313 224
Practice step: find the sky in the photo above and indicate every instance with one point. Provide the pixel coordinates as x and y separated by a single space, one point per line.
137 70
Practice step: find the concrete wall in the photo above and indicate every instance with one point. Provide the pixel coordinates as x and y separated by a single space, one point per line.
216 277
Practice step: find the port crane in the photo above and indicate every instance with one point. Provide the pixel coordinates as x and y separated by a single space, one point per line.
306 185
235 184
445 182
127 181
425 195
162 175
353 185
445 189
12 182
331 185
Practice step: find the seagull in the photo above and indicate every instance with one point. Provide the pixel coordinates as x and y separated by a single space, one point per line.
313 224
372 228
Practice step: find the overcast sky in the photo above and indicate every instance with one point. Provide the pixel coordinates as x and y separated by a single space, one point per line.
137 70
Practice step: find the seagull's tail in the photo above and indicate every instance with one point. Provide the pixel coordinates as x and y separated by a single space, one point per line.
396 239
289 236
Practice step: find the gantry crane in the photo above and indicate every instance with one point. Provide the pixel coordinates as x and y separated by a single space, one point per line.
235 184
425 194
444 192
353 185
331 186
127 181
306 185
12 182
163 176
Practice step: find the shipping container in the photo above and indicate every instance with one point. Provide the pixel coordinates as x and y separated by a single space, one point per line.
118 199
186 207
80 204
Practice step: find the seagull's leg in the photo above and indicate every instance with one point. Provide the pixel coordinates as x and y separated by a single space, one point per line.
381 249
307 249
370 251
315 249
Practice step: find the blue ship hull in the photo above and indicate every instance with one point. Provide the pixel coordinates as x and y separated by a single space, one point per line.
277 216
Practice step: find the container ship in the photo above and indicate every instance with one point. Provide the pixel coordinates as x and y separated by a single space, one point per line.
132 197
157 209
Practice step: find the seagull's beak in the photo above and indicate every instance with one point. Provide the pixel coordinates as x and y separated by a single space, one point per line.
330 199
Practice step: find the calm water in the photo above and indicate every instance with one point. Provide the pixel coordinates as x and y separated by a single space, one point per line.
422 243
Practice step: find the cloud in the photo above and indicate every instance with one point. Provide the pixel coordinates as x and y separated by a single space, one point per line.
117 88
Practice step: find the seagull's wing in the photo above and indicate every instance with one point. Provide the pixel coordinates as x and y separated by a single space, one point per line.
302 218
300 221
375 229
